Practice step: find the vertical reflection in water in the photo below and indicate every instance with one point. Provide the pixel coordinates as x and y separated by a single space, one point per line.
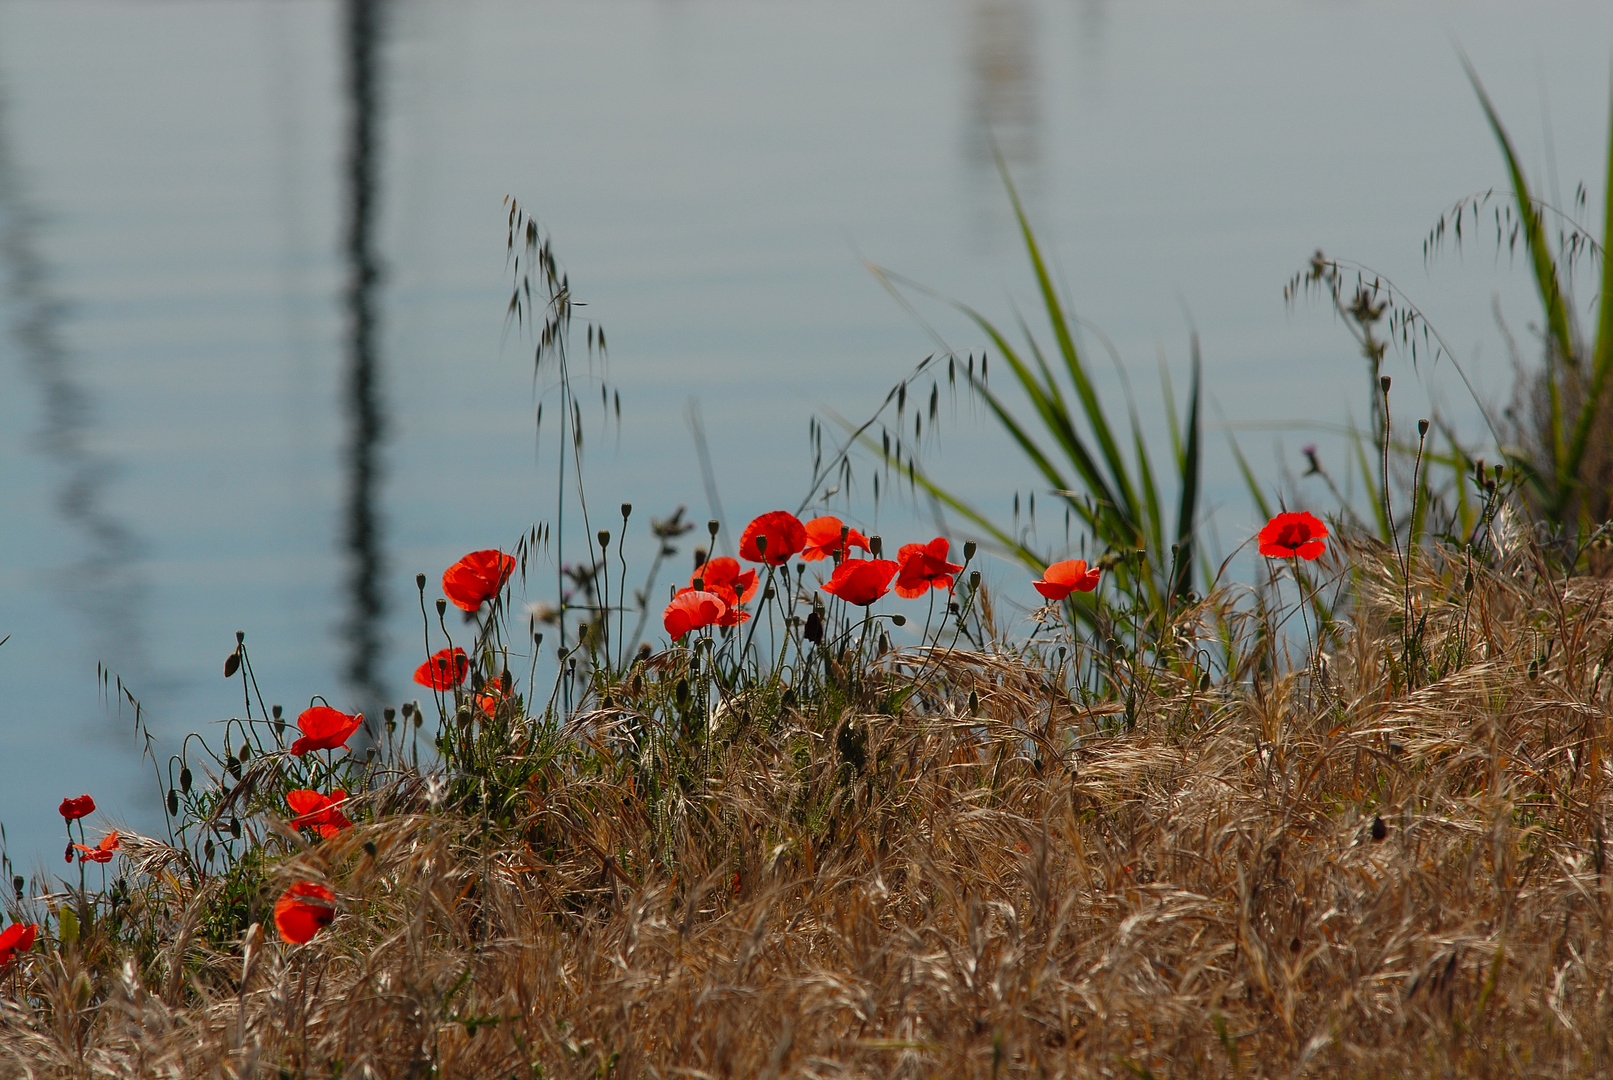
102 584
1004 98
363 24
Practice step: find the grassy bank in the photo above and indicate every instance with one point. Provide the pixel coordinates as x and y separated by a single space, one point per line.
1282 872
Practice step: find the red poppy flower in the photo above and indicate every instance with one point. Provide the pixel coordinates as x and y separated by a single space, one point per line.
1288 535
823 539
477 578
715 575
862 581
324 728
924 567
445 669
102 852
321 813
692 609
16 938
492 693
303 911
72 809
782 533
1063 578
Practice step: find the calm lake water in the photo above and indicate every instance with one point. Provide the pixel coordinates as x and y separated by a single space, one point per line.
206 426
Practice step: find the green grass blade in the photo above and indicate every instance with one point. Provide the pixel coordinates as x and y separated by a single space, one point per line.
1101 431
1546 282
1187 511
1602 352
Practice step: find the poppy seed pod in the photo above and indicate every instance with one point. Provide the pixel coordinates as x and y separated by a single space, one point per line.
1384 383
712 527
604 538
277 711
969 549
627 511
974 579
1422 427
761 545
408 709
17 884
442 607
814 628
898 620
875 546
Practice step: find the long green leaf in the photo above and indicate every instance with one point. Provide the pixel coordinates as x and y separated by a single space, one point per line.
1187 511
1602 353
1546 282
1072 359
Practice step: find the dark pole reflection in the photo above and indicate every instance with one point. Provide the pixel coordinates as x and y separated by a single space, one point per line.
363 24
102 584
1004 111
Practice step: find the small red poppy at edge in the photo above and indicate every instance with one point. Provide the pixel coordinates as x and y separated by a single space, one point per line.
861 581
924 567
324 728
445 669
16 938
73 809
321 813
1287 536
100 853
823 539
781 534
693 609
1063 578
303 911
477 578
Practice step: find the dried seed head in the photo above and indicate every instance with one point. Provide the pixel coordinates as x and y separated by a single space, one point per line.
969 549
420 582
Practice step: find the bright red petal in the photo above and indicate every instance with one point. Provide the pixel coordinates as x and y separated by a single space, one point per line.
303 910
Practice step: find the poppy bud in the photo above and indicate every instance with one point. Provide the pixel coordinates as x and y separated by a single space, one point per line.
1422 427
1204 682
627 511
680 693
419 718
952 608
207 849
898 620
420 582
246 751
233 764
173 802
787 700
814 628
68 855
235 827
1384 383
875 546
969 549
974 702
442 607
1379 829
369 848
184 779
604 538
232 663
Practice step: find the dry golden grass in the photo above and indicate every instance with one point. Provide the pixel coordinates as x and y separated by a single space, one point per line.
1034 891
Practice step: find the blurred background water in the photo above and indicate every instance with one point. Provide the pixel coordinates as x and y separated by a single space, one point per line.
254 361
